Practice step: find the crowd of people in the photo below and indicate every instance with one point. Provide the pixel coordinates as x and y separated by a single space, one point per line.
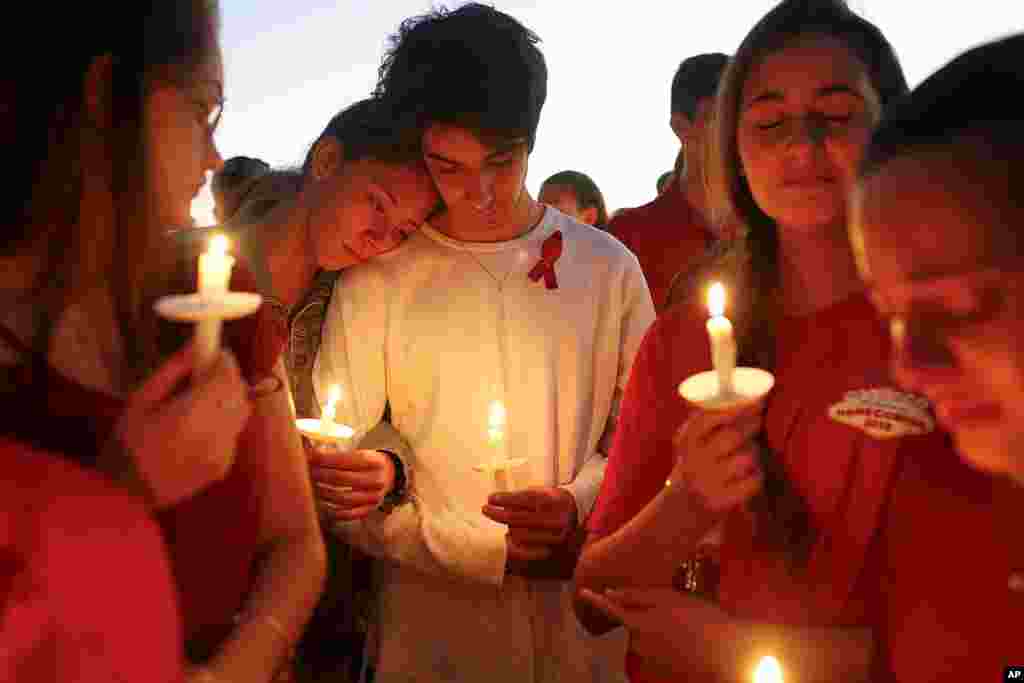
526 496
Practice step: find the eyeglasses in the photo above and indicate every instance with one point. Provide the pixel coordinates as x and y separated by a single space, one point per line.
208 112
209 106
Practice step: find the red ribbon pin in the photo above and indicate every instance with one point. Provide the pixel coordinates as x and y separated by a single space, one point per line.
549 253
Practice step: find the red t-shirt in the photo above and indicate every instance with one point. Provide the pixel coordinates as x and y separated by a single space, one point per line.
86 593
950 571
666 235
841 471
212 537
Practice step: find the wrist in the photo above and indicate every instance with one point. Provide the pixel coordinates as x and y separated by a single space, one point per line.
400 483
686 505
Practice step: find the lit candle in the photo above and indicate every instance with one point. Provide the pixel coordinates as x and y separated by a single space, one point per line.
214 274
324 430
496 439
329 412
768 671
723 345
215 267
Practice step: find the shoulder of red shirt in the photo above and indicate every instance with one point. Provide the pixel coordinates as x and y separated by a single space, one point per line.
79 552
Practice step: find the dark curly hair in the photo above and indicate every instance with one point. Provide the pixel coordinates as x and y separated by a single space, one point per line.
474 67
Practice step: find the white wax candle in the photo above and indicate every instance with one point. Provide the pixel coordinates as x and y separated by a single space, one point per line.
214 274
768 671
215 267
329 412
723 345
496 439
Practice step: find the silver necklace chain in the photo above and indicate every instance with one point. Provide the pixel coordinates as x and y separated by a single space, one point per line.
500 282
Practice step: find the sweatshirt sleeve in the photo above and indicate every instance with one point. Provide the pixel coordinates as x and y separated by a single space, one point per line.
637 316
433 538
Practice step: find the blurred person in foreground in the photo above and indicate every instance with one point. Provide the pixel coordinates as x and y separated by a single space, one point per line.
110 140
215 455
936 219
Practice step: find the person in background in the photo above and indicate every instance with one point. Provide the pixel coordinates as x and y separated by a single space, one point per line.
767 512
665 181
109 142
577 196
672 232
503 328
233 182
936 226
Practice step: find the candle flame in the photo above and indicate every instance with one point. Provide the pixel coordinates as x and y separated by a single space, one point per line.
496 420
333 396
218 245
716 299
768 671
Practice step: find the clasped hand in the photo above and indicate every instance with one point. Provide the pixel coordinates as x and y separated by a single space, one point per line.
539 520
717 461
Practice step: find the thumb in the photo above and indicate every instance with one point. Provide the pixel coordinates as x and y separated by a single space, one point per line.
163 381
528 499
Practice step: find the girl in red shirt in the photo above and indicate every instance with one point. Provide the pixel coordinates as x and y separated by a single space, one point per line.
794 486
936 221
110 141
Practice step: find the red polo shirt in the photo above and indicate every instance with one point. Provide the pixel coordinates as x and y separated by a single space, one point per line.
841 471
667 235
950 569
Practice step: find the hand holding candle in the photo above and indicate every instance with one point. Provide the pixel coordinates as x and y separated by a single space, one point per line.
723 345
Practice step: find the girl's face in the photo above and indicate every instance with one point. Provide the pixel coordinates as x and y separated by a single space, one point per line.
927 234
805 116
180 120
369 207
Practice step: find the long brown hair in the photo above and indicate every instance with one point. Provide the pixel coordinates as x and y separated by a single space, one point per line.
751 263
43 123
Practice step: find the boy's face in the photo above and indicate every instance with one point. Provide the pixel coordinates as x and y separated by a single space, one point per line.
482 183
927 240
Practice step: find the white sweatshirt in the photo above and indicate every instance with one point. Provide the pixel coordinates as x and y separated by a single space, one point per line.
440 329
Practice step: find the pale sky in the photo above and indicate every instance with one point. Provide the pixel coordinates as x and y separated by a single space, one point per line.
290 66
